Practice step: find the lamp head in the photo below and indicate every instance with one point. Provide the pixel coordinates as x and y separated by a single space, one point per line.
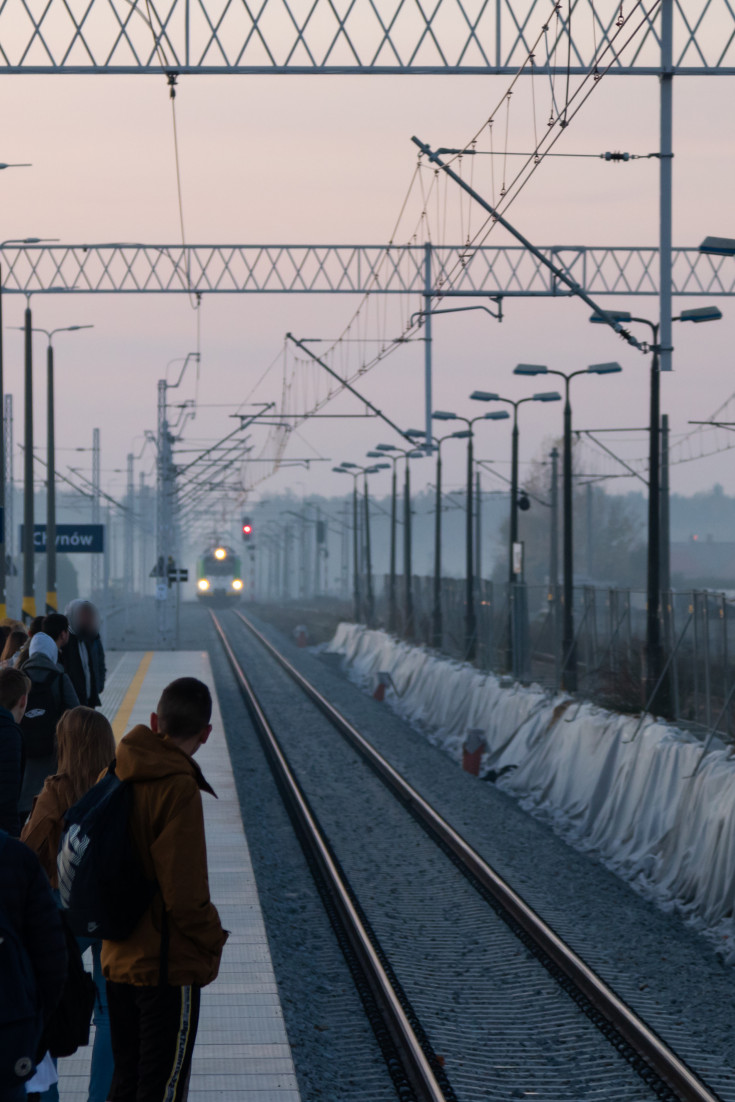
381 467
496 415
484 396
614 315
386 448
462 434
374 455
530 369
547 396
604 369
339 470
443 415
415 433
349 466
415 455
718 246
700 314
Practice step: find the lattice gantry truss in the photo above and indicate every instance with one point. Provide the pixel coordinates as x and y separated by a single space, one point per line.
510 271
356 36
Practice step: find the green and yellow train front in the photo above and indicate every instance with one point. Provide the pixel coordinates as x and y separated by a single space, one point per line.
219 575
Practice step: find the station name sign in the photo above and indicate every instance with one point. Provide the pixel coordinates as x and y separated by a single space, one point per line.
71 538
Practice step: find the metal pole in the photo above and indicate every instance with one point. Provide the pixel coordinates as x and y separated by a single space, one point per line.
9 489
513 538
4 519
590 537
427 341
653 633
143 567
554 562
355 552
52 599
129 568
407 550
317 552
368 560
478 528
392 602
29 599
666 167
437 631
96 514
469 640
569 648
665 511
554 549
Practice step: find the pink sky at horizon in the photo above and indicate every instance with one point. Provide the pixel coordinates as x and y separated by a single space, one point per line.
297 159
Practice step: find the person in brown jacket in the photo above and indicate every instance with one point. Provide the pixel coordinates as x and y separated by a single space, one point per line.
154 977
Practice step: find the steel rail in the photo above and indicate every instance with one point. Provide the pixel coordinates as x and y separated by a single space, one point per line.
415 1064
645 1041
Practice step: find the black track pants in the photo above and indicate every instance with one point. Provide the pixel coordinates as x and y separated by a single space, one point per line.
153 1032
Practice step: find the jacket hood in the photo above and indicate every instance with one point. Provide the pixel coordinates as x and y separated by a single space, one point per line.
145 756
41 643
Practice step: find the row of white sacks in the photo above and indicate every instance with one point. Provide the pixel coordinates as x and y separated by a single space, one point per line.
636 799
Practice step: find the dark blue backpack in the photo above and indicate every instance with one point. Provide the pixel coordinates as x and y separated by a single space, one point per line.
20 1016
103 888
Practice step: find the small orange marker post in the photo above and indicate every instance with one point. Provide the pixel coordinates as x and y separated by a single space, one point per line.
472 751
384 680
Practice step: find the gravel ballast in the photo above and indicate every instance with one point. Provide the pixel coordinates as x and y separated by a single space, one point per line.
666 971
335 1053
501 1024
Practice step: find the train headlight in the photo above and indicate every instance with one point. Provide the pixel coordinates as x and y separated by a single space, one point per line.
202 585
237 584
220 554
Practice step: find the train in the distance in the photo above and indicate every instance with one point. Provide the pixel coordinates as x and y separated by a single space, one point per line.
219 575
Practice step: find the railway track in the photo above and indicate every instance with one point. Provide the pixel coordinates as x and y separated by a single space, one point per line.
636 1063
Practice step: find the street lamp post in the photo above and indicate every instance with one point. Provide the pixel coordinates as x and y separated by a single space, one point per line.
3 533
470 618
395 453
654 649
437 619
487 396
28 605
355 541
569 655
356 470
52 602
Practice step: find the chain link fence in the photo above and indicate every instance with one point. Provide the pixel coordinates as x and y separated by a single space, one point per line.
519 631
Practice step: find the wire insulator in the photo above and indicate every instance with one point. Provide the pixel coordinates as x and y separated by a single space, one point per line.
617 156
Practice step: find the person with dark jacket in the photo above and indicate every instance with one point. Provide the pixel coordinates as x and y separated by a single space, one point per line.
31 912
154 1023
47 677
83 656
86 747
14 689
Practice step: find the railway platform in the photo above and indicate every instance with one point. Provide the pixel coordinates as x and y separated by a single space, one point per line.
242 1052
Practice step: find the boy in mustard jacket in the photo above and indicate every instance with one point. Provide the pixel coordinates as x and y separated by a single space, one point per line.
155 976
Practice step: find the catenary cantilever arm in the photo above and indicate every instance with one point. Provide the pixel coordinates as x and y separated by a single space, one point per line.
560 274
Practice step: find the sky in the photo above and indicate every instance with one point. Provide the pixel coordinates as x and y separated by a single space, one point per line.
328 159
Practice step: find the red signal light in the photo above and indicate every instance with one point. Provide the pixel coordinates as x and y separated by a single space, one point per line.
246 529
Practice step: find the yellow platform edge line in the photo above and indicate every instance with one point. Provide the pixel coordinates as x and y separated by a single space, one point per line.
124 712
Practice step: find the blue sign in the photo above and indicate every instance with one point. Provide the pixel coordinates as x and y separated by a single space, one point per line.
71 538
